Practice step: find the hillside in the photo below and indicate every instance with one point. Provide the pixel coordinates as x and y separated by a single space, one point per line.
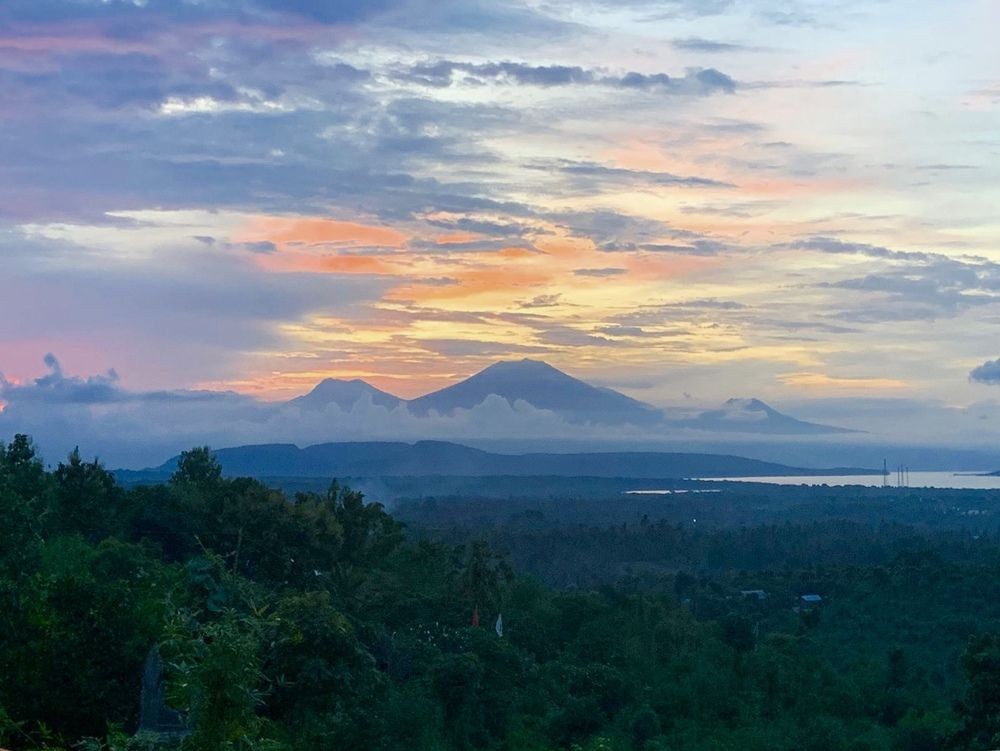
440 458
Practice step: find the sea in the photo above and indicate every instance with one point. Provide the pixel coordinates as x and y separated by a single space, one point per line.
956 480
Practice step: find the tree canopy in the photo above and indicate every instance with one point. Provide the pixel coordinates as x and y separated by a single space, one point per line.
318 621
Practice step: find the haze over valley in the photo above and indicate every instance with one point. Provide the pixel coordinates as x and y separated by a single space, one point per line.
510 406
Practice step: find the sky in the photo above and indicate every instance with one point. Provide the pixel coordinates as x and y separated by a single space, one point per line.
685 200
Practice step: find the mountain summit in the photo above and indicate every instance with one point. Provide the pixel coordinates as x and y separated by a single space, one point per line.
543 387
754 416
344 394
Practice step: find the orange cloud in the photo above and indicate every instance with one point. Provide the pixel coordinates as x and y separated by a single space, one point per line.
285 231
561 245
470 283
329 263
701 157
639 154
510 254
667 266
784 187
457 238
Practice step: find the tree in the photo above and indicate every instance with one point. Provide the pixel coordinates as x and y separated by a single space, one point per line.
981 708
485 577
369 534
198 467
645 726
315 650
23 500
215 679
72 651
21 470
88 500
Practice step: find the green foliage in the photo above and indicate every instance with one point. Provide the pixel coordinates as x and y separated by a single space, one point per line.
981 709
485 576
315 650
21 470
198 468
309 623
215 679
644 727
88 501
24 490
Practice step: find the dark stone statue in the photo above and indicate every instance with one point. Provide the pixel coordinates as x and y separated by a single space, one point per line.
155 717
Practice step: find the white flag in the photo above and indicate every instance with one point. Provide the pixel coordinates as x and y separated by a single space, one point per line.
499 626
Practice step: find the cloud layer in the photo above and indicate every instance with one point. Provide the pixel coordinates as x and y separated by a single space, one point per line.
245 197
136 429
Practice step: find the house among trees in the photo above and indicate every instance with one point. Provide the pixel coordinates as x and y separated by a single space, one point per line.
807 603
754 594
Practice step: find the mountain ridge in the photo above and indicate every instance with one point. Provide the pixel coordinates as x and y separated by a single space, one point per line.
444 458
736 414
344 393
545 387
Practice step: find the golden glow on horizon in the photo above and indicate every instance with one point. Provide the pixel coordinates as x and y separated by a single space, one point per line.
835 384
407 202
462 307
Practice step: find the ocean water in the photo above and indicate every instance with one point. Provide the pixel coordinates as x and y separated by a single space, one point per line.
957 480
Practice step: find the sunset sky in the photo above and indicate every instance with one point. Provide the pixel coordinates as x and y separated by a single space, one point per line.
683 200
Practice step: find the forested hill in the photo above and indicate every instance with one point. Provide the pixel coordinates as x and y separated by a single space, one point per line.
440 458
258 621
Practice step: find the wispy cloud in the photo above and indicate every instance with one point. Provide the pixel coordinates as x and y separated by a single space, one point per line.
255 194
695 81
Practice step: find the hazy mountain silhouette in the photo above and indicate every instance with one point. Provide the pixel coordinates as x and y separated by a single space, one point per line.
754 416
440 458
542 386
344 394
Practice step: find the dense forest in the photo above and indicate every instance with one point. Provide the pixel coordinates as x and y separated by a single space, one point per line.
316 620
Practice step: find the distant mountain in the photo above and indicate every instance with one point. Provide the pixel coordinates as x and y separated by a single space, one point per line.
545 387
440 458
754 416
542 386
344 394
